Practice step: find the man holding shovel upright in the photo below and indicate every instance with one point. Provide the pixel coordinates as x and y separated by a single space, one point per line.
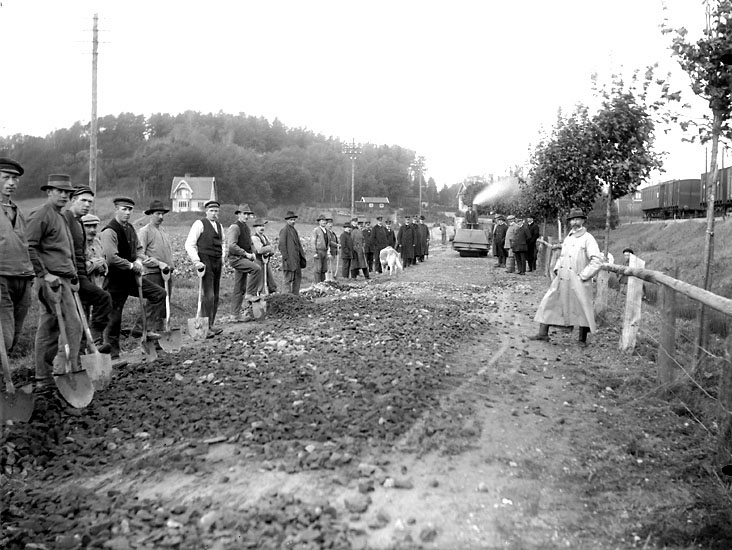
247 272
16 270
90 294
124 259
158 252
51 250
264 250
206 247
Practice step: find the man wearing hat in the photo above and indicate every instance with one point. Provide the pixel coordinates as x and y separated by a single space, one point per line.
405 242
242 258
263 250
51 250
368 244
206 247
16 270
422 243
520 245
499 239
158 251
568 302
91 295
125 258
512 228
333 247
358 262
293 255
321 246
378 242
96 263
390 235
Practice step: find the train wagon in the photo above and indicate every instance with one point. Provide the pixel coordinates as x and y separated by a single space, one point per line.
651 201
672 199
722 190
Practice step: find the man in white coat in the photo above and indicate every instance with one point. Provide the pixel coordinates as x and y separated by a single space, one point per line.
568 302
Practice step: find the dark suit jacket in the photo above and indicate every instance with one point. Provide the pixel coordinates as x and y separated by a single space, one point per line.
293 255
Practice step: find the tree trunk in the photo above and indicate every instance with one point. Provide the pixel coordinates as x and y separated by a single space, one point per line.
708 258
607 217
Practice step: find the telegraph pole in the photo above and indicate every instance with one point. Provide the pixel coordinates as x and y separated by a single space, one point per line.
352 151
418 167
93 136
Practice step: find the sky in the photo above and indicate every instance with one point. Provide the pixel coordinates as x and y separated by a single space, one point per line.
468 84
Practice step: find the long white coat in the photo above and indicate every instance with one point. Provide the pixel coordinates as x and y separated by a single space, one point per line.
568 302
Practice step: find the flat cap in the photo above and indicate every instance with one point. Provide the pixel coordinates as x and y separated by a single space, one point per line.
11 166
212 204
260 222
123 201
90 219
83 190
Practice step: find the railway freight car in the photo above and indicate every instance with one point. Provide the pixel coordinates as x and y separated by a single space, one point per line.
672 199
722 190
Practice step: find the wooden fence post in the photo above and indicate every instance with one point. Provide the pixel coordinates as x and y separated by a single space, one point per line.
632 317
603 290
724 440
667 369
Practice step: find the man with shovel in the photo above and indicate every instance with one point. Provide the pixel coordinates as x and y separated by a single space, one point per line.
16 270
124 259
51 251
91 295
247 272
96 262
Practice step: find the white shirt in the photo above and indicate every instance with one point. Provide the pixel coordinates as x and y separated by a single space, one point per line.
192 240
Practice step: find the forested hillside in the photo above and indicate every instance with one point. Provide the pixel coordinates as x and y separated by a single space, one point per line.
250 157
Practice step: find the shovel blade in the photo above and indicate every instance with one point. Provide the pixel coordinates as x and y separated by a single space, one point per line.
198 328
259 308
76 388
99 368
149 349
16 406
171 341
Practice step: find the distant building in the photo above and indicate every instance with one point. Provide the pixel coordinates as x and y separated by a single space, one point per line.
373 203
189 193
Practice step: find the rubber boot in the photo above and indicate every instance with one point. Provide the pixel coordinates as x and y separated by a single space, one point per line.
543 333
583 332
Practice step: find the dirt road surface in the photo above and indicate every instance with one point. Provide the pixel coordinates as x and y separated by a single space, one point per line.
402 412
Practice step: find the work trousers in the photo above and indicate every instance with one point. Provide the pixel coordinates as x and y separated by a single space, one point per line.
15 299
531 257
370 260
320 266
269 276
293 280
49 341
345 267
151 292
520 256
156 313
211 282
376 259
101 303
247 280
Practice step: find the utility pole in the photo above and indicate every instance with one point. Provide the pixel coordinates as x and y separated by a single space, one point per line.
93 136
352 151
418 167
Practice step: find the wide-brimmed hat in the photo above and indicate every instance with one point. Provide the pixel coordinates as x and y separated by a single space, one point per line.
259 221
290 214
61 182
576 213
123 201
156 206
320 217
11 166
210 204
243 208
90 219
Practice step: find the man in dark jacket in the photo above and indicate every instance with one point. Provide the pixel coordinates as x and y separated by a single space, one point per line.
91 295
534 235
519 245
499 238
347 251
405 242
378 242
247 272
390 235
422 234
293 255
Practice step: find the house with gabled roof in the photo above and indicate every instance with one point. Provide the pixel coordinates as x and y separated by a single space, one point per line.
190 193
374 203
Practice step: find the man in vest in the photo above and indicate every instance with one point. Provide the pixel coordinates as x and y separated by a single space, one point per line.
206 248
51 250
158 252
91 295
264 251
16 270
124 258
247 272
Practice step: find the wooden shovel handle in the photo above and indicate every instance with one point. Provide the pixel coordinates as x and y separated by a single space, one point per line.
9 387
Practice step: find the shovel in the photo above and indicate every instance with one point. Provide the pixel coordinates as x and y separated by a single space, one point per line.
14 405
74 385
198 327
148 346
171 340
259 308
329 273
97 365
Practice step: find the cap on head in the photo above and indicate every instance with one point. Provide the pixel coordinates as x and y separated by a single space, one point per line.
11 167
243 208
124 201
379 218
321 217
290 215
212 204
576 213
90 219
628 250
422 218
511 217
156 206
61 182
347 225
259 222
83 190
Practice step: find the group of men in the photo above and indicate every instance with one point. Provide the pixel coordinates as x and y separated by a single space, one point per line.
413 240
516 239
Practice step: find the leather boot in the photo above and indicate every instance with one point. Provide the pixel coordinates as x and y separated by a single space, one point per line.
583 332
543 333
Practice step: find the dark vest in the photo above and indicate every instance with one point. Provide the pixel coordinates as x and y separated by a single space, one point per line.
209 243
125 246
245 237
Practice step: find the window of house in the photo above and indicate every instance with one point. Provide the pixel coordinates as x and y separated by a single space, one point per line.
183 204
201 204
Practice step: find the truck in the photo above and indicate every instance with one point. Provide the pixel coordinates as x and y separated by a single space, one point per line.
473 241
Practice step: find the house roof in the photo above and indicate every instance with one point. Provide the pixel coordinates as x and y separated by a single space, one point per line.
201 187
375 199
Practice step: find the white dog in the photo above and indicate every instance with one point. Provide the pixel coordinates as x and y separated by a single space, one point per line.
390 260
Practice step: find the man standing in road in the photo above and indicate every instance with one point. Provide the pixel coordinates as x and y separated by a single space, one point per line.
206 247
568 302
51 250
321 246
158 252
405 242
367 245
378 242
16 270
91 295
390 235
347 252
358 261
511 262
247 271
293 255
423 236
499 239
519 245
124 259
533 235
